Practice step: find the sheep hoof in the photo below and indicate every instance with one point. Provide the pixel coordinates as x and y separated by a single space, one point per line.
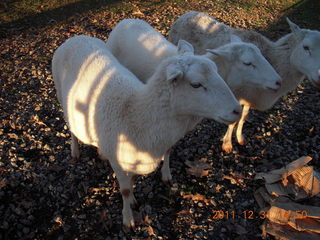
134 203
227 148
75 156
168 182
74 160
167 179
242 142
100 154
103 158
129 227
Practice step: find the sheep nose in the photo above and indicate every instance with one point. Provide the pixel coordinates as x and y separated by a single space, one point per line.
237 111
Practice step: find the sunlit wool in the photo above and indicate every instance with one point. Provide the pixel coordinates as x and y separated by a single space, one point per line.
294 56
131 123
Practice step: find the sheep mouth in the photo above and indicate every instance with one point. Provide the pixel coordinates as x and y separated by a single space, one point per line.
273 89
315 83
226 121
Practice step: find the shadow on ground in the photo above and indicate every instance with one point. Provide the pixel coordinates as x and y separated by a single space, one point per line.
48 17
85 195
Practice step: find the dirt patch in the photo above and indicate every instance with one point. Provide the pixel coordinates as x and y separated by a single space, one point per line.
46 196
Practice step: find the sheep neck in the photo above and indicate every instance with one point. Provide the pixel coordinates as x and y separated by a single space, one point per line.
158 123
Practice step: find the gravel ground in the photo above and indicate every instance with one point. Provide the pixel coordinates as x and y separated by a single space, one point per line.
45 195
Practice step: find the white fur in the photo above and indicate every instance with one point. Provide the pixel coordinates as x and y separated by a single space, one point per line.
134 124
286 55
132 41
135 43
241 64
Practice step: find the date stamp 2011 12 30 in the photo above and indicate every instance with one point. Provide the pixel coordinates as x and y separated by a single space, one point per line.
249 214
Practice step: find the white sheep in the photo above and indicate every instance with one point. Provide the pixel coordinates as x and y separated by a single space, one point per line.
131 123
293 56
134 42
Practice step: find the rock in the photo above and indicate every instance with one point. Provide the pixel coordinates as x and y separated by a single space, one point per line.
25 230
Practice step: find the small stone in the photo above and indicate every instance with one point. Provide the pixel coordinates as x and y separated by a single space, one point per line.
25 230
150 195
25 222
19 211
228 194
213 202
66 227
245 203
148 209
82 216
5 225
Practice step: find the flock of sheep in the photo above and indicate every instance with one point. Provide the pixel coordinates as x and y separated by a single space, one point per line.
135 96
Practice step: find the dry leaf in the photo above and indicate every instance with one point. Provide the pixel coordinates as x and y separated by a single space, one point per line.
150 231
198 172
311 130
99 189
197 197
198 168
285 218
58 220
218 187
287 232
2 183
13 135
277 175
294 180
183 212
137 12
232 180
36 119
146 220
194 226
103 215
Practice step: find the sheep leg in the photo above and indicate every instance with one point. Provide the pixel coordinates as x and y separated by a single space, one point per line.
75 152
244 116
165 170
227 139
126 189
101 155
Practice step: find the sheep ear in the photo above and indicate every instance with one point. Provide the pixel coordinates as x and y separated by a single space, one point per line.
227 55
185 47
235 39
295 29
174 73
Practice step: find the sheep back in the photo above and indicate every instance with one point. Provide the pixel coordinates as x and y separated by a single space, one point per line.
140 40
92 85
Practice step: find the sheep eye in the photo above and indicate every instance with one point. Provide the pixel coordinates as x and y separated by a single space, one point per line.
195 85
306 48
247 63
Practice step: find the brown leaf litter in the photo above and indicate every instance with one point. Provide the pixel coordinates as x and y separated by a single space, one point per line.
198 168
285 218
